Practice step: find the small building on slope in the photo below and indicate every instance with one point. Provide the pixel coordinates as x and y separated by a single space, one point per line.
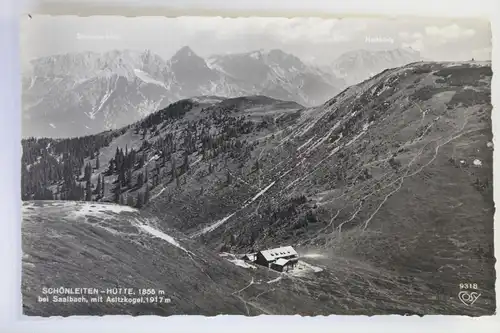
280 259
283 265
250 257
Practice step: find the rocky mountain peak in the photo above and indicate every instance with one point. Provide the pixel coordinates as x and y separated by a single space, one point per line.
185 52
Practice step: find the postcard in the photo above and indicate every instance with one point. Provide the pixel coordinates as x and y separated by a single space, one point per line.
256 165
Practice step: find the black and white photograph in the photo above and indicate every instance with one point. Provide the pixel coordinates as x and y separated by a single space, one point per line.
256 166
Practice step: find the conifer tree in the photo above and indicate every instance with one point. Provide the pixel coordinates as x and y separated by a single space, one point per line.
87 172
98 187
102 185
257 165
117 191
146 194
130 201
129 178
142 161
177 181
140 180
121 176
88 191
140 200
186 163
117 159
174 171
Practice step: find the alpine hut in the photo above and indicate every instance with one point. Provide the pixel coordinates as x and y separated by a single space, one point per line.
280 259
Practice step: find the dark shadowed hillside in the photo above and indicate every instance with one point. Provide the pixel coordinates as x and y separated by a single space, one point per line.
387 186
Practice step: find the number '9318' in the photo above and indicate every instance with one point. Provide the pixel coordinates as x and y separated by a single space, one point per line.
468 286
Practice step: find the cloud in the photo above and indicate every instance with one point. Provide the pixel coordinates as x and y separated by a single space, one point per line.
324 39
315 30
417 35
404 35
449 32
410 37
413 40
482 54
417 45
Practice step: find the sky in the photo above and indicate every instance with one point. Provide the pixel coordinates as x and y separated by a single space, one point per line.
317 40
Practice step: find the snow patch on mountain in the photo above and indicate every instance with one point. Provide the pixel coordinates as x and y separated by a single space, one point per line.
213 226
234 260
220 222
303 269
160 234
100 210
147 78
96 109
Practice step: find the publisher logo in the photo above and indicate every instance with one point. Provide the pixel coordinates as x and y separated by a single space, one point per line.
468 297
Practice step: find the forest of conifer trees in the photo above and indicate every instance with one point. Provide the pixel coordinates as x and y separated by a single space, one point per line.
71 169
50 167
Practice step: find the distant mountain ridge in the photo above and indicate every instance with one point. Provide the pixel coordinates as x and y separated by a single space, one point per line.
279 75
358 65
84 93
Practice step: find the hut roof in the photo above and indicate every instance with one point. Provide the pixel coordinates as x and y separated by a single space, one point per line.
277 253
281 262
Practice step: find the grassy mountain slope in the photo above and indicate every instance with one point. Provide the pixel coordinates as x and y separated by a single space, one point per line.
76 245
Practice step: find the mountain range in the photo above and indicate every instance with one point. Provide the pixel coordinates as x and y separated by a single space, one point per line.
356 66
85 93
385 190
